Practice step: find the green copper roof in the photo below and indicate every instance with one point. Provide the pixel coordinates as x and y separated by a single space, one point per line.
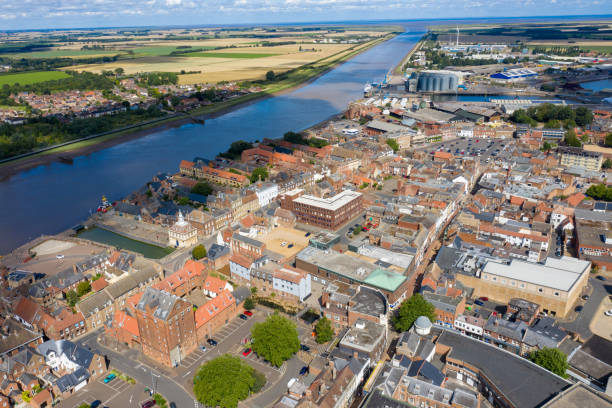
384 279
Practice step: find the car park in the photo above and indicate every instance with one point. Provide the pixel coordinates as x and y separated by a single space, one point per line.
479 302
212 342
246 352
110 378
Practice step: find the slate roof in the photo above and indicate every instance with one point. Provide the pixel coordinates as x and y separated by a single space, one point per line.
217 251
523 383
162 302
69 381
77 354
369 302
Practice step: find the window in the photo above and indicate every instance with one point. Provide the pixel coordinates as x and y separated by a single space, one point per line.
540 290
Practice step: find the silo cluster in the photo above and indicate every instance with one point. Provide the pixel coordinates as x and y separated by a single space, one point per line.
437 82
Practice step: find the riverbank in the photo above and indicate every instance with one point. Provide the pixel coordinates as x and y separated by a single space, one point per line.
295 79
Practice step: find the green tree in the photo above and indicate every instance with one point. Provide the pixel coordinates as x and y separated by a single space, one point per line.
392 143
324 330
223 382
546 147
119 71
260 173
608 141
270 76
260 381
276 339
83 288
72 298
198 252
410 309
584 116
183 201
249 304
202 188
607 164
571 139
552 359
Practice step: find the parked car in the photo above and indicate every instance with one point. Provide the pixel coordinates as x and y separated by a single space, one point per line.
307 234
479 302
248 313
148 404
601 278
203 348
243 317
304 370
172 405
608 312
304 347
110 378
95 404
211 342
246 352
59 256
578 309
484 298
585 297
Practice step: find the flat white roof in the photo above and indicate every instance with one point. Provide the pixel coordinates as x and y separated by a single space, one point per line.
332 203
557 274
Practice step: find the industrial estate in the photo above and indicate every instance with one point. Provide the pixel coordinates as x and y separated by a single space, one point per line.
444 241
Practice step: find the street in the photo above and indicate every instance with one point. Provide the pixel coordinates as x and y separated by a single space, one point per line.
175 384
600 290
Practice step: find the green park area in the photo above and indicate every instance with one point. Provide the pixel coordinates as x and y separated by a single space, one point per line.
27 78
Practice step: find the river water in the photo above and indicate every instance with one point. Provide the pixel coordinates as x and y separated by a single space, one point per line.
52 198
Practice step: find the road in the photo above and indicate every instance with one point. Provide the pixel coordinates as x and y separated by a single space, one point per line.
599 290
176 384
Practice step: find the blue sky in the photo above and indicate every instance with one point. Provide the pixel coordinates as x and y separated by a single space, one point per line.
31 14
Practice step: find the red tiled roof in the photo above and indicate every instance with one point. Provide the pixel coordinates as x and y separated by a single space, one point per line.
99 284
214 284
126 322
186 164
241 260
575 199
213 307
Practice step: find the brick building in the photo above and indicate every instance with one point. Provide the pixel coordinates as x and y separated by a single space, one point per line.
167 326
329 213
214 314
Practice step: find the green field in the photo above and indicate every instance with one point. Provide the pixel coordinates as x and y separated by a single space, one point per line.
28 78
158 51
57 53
605 49
243 55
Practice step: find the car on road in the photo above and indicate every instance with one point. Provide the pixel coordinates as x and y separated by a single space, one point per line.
307 234
95 404
172 405
59 256
304 370
110 378
243 317
484 298
585 297
479 302
578 309
148 404
248 313
304 347
608 312
601 278
246 352
203 348
211 342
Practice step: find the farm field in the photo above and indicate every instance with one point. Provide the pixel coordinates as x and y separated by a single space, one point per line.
230 64
597 46
58 53
244 55
27 78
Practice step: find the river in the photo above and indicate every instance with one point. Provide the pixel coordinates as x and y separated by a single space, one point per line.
52 198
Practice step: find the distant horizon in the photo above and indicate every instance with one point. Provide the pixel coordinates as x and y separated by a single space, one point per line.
43 15
315 22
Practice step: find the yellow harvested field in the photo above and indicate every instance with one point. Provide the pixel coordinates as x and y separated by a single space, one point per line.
213 70
570 44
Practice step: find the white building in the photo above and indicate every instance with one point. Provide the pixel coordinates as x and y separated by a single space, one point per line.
266 193
182 233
